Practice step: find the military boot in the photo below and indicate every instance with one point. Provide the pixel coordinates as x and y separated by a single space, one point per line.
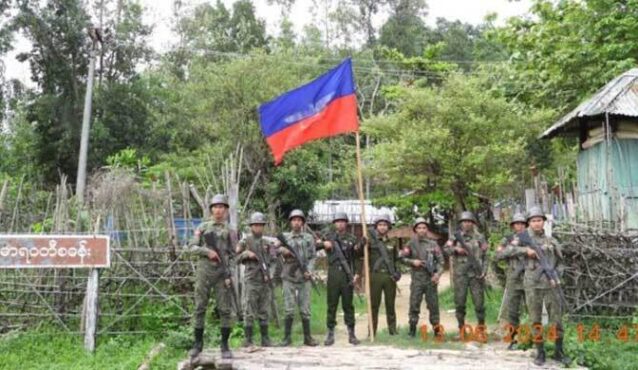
412 331
226 353
513 343
265 339
540 355
330 337
248 333
308 340
392 329
559 355
461 333
198 345
287 331
352 339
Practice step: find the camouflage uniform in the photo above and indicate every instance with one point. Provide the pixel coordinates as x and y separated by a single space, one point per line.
382 282
429 252
466 278
539 292
511 251
339 286
210 274
293 279
257 287
515 257
296 287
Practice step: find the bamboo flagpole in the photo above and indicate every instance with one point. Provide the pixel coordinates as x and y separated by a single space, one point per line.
366 259
333 98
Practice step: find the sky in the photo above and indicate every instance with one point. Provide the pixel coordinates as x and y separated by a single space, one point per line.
160 14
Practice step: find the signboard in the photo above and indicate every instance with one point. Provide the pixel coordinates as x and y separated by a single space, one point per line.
63 251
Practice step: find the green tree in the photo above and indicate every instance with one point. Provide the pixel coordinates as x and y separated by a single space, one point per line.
58 66
568 49
212 29
465 44
59 69
286 38
405 29
216 109
449 144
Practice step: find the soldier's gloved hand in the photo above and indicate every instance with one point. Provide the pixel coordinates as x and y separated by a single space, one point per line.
435 278
251 255
531 253
307 275
461 251
228 283
417 263
213 256
450 243
355 279
327 245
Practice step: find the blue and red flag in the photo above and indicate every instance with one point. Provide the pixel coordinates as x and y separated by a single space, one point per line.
324 107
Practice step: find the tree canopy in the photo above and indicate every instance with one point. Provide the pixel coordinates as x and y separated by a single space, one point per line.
449 110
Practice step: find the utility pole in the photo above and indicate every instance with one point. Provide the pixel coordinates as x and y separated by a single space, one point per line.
96 37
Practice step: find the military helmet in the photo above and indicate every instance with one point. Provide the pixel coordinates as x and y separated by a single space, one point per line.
383 218
536 211
297 213
340 216
467 216
219 199
418 221
518 217
257 218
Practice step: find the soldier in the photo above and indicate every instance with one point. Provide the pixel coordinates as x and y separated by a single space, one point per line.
538 288
342 276
426 259
254 253
212 272
384 273
510 251
297 285
466 276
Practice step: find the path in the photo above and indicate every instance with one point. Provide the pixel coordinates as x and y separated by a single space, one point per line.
342 355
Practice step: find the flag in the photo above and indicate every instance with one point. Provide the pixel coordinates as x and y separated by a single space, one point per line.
324 107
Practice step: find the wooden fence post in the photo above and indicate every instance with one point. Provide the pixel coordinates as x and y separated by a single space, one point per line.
91 312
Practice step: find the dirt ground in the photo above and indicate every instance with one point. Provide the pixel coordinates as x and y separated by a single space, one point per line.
492 355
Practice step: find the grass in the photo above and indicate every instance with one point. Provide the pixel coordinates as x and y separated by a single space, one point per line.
492 305
50 348
607 351
402 340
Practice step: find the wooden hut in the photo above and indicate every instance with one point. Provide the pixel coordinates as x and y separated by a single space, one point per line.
607 127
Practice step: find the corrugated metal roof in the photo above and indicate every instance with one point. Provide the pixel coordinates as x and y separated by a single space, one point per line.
323 211
619 97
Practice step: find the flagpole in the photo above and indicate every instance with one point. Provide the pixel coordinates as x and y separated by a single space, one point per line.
366 259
